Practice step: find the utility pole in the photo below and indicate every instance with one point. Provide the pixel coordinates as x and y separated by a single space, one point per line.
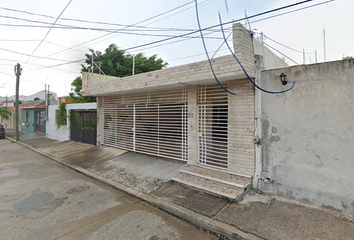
48 102
6 101
324 45
264 58
18 71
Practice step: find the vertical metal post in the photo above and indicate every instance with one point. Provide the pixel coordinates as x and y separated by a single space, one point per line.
303 55
18 71
324 45
158 129
264 58
134 127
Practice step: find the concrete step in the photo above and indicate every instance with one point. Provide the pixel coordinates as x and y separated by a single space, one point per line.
213 181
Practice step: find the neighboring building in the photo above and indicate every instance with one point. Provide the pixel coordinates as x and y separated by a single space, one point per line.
34 97
33 117
66 133
10 123
181 113
63 100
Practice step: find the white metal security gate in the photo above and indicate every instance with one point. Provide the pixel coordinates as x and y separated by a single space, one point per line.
151 123
212 126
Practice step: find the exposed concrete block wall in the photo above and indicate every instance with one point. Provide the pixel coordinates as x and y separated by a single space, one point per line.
308 135
243 48
241 127
192 125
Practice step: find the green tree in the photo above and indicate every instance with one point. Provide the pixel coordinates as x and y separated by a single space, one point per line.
116 62
77 97
5 112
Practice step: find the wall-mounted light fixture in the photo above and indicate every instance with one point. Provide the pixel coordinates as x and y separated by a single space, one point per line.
282 77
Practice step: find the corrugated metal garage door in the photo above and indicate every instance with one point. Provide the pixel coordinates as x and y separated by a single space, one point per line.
212 126
151 123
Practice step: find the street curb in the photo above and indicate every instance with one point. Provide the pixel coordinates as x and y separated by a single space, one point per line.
197 219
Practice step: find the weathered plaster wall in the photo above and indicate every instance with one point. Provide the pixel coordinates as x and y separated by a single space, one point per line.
308 135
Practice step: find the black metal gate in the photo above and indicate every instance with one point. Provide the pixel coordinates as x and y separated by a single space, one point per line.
84 126
40 122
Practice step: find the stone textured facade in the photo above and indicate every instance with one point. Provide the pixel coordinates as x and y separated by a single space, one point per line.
240 123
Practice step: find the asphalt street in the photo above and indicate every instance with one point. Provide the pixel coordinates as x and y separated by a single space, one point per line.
41 199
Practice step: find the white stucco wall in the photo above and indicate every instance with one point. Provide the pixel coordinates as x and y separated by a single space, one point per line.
60 134
270 59
307 142
63 133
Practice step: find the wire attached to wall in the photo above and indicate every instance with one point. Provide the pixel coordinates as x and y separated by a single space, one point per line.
206 51
244 70
225 40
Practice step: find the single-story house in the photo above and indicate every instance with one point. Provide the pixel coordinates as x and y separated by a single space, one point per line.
33 117
181 113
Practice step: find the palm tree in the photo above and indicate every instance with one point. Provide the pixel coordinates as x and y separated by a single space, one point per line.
5 112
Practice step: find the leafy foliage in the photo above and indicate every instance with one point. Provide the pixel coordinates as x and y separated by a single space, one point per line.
77 96
61 115
116 62
5 113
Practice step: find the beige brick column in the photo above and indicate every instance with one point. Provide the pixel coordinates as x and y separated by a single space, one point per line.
99 106
241 127
192 125
243 48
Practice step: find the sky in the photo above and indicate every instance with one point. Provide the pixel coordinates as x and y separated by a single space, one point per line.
51 54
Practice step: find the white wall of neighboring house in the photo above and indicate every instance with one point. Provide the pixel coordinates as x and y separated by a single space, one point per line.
52 132
270 60
306 141
63 133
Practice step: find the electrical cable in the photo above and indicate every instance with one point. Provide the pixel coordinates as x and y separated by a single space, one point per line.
256 15
206 51
281 53
202 29
24 54
299 9
287 46
48 31
124 28
244 70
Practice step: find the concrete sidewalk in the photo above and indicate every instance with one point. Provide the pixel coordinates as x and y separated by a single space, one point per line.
257 216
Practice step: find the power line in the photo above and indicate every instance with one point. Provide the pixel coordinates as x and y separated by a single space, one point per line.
281 53
299 9
85 21
48 31
253 16
30 55
273 10
287 46
243 69
126 27
18 40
